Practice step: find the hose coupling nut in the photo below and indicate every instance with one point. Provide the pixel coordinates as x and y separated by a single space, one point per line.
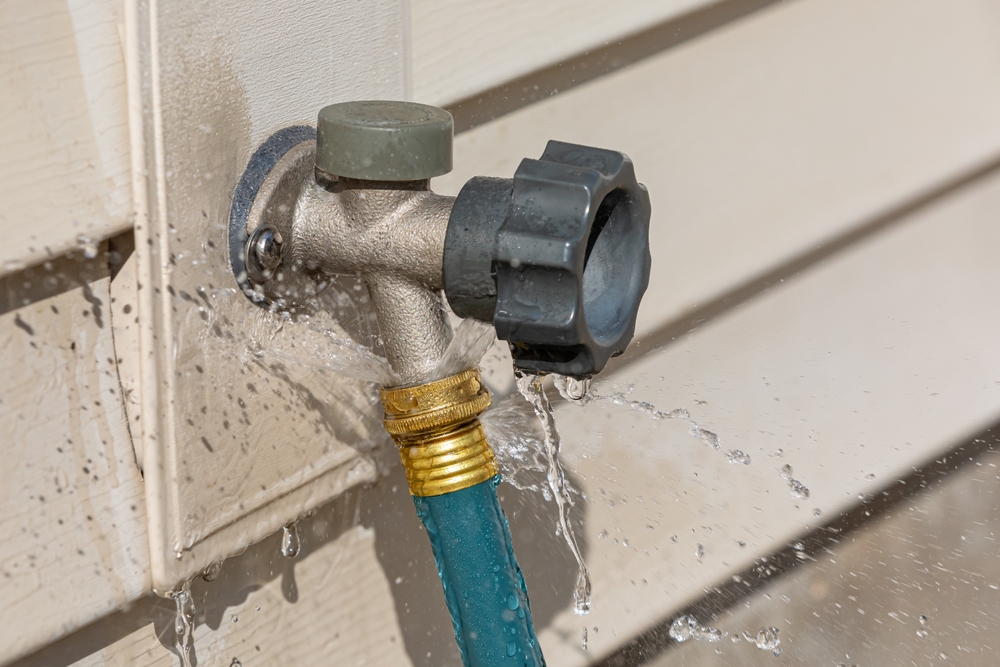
441 443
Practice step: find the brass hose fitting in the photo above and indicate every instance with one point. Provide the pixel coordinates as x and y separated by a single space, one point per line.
441 443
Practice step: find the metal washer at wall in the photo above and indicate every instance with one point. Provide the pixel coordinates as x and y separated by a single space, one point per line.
260 165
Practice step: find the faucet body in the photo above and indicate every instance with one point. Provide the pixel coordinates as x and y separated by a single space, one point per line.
392 236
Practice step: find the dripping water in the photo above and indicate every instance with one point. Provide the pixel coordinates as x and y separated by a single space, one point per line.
184 623
290 543
530 386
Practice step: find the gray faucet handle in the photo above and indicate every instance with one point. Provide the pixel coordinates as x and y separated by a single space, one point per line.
384 141
557 258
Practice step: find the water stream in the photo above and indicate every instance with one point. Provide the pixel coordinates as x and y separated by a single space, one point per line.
184 623
530 386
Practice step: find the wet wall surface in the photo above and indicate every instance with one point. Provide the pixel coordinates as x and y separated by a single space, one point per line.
911 576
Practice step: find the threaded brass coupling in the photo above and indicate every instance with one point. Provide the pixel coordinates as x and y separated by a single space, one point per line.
436 427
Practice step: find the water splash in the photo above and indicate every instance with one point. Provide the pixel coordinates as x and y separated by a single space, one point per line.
184 622
798 490
572 389
580 392
687 627
290 543
514 431
530 386
767 640
738 457
470 343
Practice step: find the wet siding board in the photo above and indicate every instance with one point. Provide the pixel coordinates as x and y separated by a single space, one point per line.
64 152
282 622
853 375
72 509
235 445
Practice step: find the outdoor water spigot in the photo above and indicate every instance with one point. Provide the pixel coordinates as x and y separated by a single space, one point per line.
556 258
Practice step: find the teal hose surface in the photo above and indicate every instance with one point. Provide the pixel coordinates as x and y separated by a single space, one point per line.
483 585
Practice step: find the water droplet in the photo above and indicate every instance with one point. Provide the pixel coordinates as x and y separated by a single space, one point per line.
683 628
511 648
211 573
89 247
236 663
290 544
738 457
923 619
512 603
710 635
686 627
584 642
708 437
817 512
235 618
572 389
798 490
767 639
869 477
700 552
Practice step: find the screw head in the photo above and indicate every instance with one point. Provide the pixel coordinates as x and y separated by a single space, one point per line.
263 252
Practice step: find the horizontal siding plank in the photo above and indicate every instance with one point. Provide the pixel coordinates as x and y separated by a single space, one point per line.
72 506
64 152
768 138
461 48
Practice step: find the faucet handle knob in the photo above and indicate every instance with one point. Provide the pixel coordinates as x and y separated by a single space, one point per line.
384 141
557 258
